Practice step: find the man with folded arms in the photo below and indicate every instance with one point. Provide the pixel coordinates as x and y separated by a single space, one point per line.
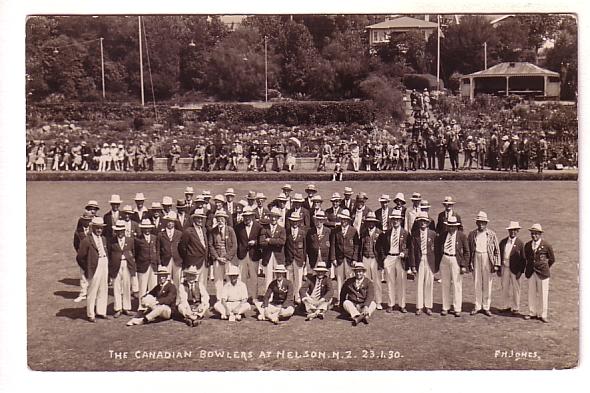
222 248
422 259
539 259
452 258
484 257
358 296
272 241
278 299
193 246
233 300
158 302
316 292
513 264
193 298
247 233
318 242
121 268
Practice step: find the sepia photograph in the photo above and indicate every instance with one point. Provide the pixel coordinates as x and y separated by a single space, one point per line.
367 191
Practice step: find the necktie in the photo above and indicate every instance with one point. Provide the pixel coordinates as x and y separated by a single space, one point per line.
423 242
294 235
317 289
449 244
384 218
395 241
86 231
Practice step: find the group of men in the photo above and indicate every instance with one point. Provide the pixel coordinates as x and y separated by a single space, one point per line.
167 256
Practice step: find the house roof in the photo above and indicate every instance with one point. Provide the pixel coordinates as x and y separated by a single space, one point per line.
513 69
404 22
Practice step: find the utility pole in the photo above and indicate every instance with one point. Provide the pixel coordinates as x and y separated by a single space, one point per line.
485 55
265 71
141 63
102 67
438 53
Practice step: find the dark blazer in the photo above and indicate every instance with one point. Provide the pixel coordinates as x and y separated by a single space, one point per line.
314 246
326 290
364 295
136 218
416 249
516 259
461 249
159 227
87 256
169 249
181 226
384 244
295 248
379 215
115 254
275 245
192 251
416 226
307 204
227 241
78 236
403 210
147 254
234 214
243 239
109 222
211 219
366 211
332 216
165 294
538 261
282 295
306 222
368 247
346 246
258 215
440 223
348 204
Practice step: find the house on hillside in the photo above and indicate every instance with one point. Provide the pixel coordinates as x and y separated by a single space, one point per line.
379 33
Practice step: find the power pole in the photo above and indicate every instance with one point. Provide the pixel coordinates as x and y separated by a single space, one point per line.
141 63
265 71
438 53
102 67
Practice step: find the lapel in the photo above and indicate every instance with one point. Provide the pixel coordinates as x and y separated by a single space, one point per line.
198 238
92 242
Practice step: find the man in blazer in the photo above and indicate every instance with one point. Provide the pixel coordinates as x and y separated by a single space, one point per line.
358 296
189 192
311 191
260 211
484 260
147 258
303 213
218 205
452 258
223 246
393 246
194 247
92 257
82 231
156 217
424 208
158 302
295 253
347 202
400 205
183 219
332 212
131 227
318 242
140 211
316 292
272 242
193 298
168 240
278 299
512 267
382 214
360 211
443 216
230 206
111 217
539 259
346 242
121 268
413 211
248 252
422 259
371 257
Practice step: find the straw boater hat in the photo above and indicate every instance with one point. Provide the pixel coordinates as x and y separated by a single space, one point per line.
198 213
452 222
311 187
155 206
320 215
316 198
232 270
86 216
295 216
416 196
191 271
115 199
162 271
167 201
335 197
243 203
127 209
221 213
287 187
97 222
282 197
180 204
251 195
219 198
139 197
347 191
320 267
384 198
248 211
275 211
514 225
424 204
230 191
298 198
280 269
482 216
119 226
448 201
536 228
371 217
206 194
396 214
344 214
358 266
400 197
171 216
260 195
189 190
93 205
146 223
199 198
422 216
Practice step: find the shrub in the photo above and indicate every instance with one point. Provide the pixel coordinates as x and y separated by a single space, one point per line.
386 95
420 81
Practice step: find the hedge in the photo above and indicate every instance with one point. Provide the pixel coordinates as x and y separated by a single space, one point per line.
420 81
92 111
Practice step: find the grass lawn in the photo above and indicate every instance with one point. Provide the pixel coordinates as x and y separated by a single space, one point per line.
60 338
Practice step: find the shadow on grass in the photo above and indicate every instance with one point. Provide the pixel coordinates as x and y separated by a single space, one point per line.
66 294
70 281
72 313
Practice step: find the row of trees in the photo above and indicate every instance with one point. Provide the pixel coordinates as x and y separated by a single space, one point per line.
308 56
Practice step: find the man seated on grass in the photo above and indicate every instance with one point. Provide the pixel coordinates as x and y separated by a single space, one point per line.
233 299
316 292
193 298
158 302
278 299
357 296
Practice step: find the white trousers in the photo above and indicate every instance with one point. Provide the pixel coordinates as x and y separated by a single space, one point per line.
396 281
122 288
510 290
186 311
482 277
175 271
342 272
297 279
98 287
353 309
146 282
538 296
234 308
312 305
374 274
268 275
160 311
425 284
83 283
219 270
452 283
134 283
276 312
249 275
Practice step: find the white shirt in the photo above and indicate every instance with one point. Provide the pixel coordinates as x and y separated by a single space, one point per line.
234 293
147 238
508 250
122 245
248 229
294 232
450 250
481 241
536 244
199 231
423 240
394 233
345 230
170 233
99 245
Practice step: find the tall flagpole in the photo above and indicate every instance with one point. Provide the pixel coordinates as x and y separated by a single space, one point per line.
438 53
265 72
141 63
102 67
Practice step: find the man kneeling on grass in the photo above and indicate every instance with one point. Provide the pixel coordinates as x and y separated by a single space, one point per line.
158 302
357 296
193 298
233 299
